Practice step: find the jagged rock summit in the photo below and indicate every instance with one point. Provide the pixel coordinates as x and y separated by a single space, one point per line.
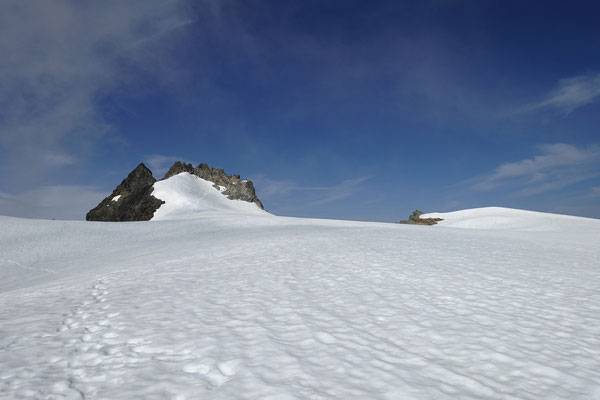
235 187
133 199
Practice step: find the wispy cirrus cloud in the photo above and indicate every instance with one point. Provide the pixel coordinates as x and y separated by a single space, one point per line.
58 59
159 164
271 190
339 191
556 166
569 94
52 202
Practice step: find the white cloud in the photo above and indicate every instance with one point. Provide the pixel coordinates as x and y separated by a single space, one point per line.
570 94
558 165
51 202
159 164
342 190
58 59
273 190
58 159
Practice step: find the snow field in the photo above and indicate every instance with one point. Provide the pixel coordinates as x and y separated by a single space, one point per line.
187 196
229 306
514 220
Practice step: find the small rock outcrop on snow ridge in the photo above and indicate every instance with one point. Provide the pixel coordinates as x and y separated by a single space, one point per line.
415 219
133 199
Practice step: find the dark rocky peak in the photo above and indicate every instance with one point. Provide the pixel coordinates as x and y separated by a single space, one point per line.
415 219
235 187
140 175
178 168
132 200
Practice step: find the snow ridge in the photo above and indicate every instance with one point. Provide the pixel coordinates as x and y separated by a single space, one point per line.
513 219
186 195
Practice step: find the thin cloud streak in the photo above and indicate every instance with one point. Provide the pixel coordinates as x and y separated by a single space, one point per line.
269 189
159 164
59 59
342 190
558 165
570 94
69 202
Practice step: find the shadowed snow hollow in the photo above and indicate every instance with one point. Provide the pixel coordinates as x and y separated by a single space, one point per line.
185 196
508 218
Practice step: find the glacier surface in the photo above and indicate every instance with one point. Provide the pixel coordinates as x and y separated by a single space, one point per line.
227 302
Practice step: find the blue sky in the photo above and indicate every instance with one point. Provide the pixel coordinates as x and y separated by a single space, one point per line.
336 109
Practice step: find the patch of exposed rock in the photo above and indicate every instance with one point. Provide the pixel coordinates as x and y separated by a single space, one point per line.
415 219
235 187
132 200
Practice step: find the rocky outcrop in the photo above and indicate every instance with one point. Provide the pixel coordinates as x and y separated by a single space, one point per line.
415 219
132 200
235 187
178 168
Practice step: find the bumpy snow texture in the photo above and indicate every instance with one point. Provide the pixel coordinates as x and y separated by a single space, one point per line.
216 301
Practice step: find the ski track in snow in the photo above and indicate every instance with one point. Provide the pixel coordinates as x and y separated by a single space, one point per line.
281 308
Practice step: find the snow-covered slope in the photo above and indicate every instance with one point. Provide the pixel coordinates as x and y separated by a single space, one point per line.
186 196
512 219
236 305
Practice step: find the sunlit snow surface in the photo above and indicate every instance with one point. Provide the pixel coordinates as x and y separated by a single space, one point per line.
230 305
511 219
187 196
